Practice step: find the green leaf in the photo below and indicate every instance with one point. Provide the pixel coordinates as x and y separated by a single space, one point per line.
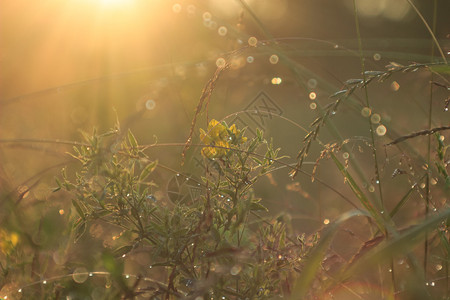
257 206
359 193
119 252
402 201
163 264
78 208
259 134
402 244
259 162
148 170
132 140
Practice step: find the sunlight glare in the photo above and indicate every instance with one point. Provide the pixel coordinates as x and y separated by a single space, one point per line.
115 2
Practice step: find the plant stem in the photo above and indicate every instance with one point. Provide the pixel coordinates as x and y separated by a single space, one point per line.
372 134
430 115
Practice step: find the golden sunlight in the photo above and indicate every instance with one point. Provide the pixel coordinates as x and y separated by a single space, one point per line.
115 2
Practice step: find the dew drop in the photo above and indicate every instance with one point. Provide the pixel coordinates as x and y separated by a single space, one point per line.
151 198
19 290
438 267
176 8
252 41
422 185
222 31
80 275
390 270
375 118
127 276
313 105
44 282
150 266
61 212
150 104
273 59
345 155
432 283
377 56
366 112
91 274
250 59
312 95
220 62
326 221
371 188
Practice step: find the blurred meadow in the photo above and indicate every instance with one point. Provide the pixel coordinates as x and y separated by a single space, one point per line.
362 218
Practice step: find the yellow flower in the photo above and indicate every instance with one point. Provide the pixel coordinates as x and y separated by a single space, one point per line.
217 131
217 150
237 134
218 138
8 241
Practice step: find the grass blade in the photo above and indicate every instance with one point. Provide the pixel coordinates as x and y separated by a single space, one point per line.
359 194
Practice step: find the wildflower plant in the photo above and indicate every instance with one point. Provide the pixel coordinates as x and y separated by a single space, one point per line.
219 245
220 137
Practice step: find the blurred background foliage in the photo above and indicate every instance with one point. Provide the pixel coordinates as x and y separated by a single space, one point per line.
69 66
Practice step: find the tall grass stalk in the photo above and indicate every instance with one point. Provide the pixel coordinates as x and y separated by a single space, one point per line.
378 182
